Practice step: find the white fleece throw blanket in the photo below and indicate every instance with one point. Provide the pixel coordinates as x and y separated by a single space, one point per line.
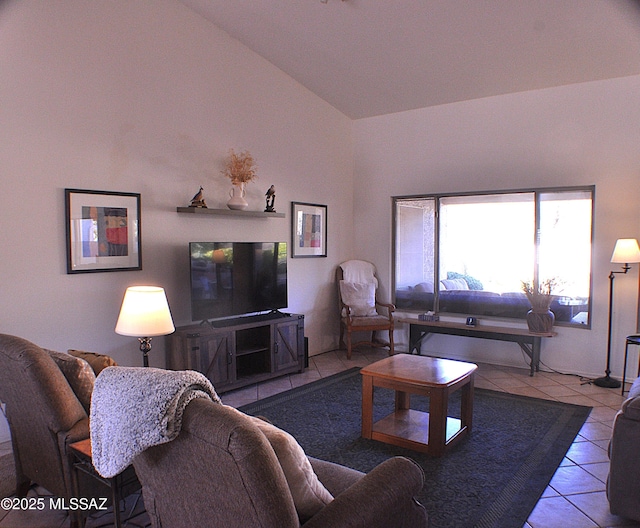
133 408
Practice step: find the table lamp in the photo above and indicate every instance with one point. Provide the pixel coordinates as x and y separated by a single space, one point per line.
625 252
144 314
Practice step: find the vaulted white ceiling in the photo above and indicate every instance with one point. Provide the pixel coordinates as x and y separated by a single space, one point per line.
373 57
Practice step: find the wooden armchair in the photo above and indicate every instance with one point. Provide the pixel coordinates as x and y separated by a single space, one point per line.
360 310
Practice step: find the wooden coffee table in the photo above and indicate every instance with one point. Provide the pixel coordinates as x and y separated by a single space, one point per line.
430 432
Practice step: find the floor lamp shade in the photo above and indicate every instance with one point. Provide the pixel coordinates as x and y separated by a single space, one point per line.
626 251
144 313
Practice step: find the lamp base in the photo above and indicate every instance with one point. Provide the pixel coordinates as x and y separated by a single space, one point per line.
607 382
145 348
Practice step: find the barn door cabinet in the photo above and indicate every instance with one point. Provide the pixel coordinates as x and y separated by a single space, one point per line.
241 351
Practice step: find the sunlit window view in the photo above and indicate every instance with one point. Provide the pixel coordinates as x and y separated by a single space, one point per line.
470 254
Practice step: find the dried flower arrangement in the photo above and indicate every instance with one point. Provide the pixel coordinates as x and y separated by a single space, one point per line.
540 298
241 167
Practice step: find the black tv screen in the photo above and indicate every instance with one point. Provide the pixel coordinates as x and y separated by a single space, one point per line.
237 278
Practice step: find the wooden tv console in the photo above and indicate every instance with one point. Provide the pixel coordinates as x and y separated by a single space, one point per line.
237 352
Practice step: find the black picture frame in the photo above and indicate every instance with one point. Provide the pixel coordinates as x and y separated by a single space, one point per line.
308 230
103 231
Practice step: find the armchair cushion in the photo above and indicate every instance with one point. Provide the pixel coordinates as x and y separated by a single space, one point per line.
98 362
370 321
78 374
360 297
309 495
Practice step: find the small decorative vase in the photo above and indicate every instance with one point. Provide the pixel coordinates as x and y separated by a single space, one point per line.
540 322
237 200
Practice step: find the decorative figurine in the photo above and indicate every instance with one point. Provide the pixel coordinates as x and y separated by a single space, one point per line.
271 198
198 200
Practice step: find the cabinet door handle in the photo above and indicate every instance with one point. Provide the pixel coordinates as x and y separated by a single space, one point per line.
275 347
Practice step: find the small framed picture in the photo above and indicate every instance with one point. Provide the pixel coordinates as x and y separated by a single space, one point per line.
308 230
103 231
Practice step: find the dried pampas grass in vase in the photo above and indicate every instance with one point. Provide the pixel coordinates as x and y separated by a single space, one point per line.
240 169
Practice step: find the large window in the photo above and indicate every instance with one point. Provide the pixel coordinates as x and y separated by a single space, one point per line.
470 253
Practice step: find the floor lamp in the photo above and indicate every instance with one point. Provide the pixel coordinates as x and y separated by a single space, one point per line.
144 314
625 252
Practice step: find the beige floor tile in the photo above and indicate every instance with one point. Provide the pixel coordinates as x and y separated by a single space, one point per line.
587 453
603 414
557 391
596 431
610 399
482 383
510 383
240 397
569 480
272 387
558 512
579 399
297 380
540 381
529 391
600 470
596 507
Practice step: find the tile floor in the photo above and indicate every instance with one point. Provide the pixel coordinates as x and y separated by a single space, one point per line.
575 497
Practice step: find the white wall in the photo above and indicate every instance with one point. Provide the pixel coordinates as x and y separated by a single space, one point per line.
574 135
148 97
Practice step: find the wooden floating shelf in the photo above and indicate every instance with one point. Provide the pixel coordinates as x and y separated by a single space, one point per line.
228 212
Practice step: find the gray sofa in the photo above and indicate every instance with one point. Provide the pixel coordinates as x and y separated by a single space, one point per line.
623 486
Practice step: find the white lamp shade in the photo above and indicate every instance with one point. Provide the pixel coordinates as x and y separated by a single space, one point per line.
144 313
626 251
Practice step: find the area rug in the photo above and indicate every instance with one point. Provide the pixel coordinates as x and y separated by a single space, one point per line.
494 478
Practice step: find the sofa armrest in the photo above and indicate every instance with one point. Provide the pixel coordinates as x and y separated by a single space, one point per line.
623 489
631 409
383 498
631 406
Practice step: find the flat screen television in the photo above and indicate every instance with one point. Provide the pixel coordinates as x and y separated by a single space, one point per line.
237 278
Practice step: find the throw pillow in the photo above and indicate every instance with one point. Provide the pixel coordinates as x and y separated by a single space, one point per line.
360 297
309 495
79 375
424 287
98 362
455 284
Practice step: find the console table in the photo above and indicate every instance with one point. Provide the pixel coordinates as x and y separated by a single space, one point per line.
528 342
234 353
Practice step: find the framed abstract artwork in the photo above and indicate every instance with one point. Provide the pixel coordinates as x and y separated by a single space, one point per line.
308 230
103 231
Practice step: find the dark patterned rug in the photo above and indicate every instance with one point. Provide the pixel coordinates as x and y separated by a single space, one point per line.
494 478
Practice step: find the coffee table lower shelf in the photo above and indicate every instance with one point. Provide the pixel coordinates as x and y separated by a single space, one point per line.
409 428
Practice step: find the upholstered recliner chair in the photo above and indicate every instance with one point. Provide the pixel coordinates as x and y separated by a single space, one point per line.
623 486
44 413
360 309
222 470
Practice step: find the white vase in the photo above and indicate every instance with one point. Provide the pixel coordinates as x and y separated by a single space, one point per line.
237 200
